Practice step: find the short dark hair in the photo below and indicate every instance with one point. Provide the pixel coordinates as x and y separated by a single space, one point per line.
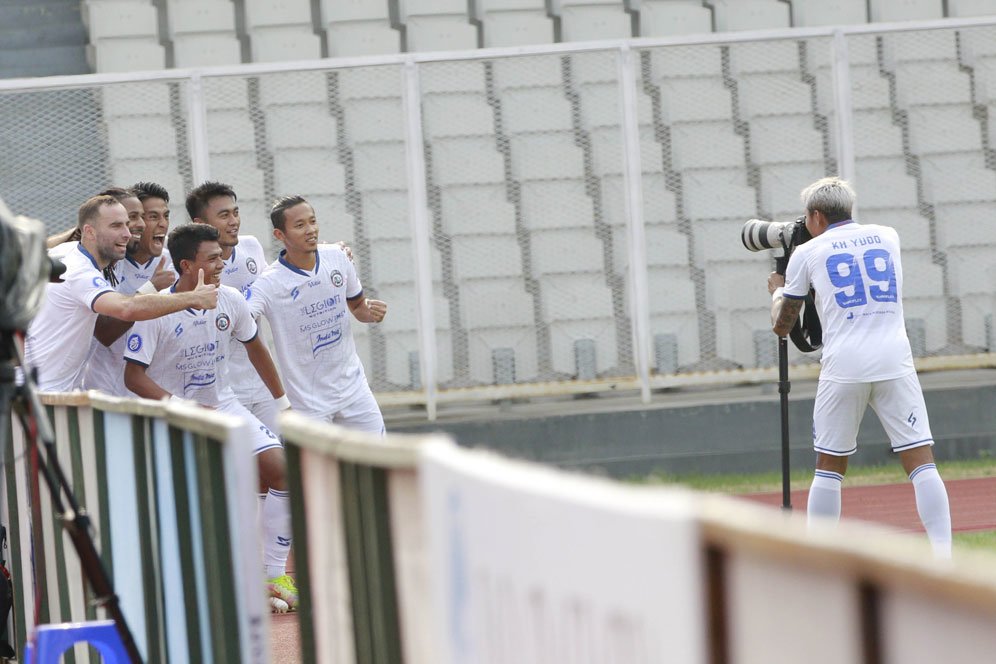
119 193
185 240
200 198
280 206
150 190
90 209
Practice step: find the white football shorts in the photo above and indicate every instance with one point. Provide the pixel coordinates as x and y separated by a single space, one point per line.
260 437
898 403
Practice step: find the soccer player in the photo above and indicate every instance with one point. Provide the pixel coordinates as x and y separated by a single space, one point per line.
305 295
71 306
106 366
185 355
857 273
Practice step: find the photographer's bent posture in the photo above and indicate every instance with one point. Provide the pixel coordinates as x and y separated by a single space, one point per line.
58 340
857 274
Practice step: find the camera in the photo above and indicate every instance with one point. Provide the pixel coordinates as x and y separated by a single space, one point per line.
25 269
758 235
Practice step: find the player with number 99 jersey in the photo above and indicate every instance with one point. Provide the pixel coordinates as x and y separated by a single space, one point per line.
864 332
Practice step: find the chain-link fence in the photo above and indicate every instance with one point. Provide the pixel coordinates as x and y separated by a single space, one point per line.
559 259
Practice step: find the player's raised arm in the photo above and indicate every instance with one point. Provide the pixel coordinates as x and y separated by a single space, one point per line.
144 307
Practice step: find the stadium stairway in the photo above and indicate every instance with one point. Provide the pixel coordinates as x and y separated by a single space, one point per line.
41 38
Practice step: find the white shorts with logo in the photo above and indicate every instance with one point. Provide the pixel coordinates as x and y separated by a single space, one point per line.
260 437
898 403
362 414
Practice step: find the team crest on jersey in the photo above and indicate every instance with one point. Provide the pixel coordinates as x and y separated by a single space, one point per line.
99 282
251 265
134 343
222 322
337 278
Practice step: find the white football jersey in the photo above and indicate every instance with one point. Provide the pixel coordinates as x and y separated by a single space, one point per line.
186 352
58 339
241 269
105 371
310 319
857 274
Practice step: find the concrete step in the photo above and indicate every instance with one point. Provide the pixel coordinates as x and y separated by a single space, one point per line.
57 34
34 14
45 61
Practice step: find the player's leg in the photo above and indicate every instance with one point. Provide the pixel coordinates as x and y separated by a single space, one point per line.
900 407
266 411
362 414
836 416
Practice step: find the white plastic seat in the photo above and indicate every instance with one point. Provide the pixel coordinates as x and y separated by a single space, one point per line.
206 50
917 46
566 250
970 8
495 303
284 43
965 225
333 11
486 256
781 184
374 120
399 347
706 145
978 42
517 28
440 33
546 156
267 13
450 77
787 138
764 57
119 55
588 23
885 11
484 6
717 194
166 172
230 131
944 129
695 100
482 342
308 171
663 18
811 13
380 165
869 89
564 334
135 99
750 14
301 126
203 33
659 203
369 83
607 149
447 115
931 82
555 204
352 38
684 326
876 135
985 77
536 110
119 19
884 183
774 94
600 106
385 214
921 276
409 8
469 209
467 160
958 177
141 136
527 72
285 89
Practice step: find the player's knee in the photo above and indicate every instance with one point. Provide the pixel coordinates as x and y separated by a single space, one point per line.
273 468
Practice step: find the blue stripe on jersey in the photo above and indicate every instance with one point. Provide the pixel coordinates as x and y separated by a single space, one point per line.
920 469
835 452
355 297
86 253
134 361
252 339
913 444
793 297
282 258
97 297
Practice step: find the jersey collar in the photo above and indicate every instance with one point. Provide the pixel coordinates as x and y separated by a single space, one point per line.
137 264
88 255
293 268
839 224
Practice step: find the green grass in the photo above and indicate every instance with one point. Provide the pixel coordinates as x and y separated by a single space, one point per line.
983 540
856 476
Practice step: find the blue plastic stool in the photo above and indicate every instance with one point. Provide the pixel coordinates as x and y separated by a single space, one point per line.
53 640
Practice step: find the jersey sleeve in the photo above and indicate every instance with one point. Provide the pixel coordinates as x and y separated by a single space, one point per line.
354 288
257 299
140 343
797 279
85 286
243 324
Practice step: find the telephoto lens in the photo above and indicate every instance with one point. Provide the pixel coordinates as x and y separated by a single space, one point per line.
758 235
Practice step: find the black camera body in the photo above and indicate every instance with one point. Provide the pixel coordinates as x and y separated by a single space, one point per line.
25 269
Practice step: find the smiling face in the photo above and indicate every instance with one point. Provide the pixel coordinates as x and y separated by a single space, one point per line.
136 225
108 235
156 216
300 231
208 258
222 212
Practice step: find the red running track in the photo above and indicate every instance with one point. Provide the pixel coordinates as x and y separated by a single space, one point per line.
973 504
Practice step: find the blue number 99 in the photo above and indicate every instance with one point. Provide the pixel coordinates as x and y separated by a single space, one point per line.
845 274
880 269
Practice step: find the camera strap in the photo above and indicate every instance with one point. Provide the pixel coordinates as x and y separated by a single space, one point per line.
807 333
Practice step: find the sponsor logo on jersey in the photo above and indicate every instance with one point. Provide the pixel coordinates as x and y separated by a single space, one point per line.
178 330
295 292
134 343
198 380
251 265
337 279
98 282
322 339
222 322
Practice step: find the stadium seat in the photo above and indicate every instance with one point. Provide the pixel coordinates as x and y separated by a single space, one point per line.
482 342
203 33
659 204
916 46
467 161
385 214
785 138
718 194
809 13
516 28
399 347
273 13
546 156
735 333
495 303
307 87
230 130
374 120
781 184
876 134
440 33
353 38
884 183
565 333
380 165
957 8
607 148
664 18
706 145
932 83
566 250
555 204
687 61
536 110
695 100
965 224
764 57
590 22
301 126
470 209
281 30
774 94
448 115
749 14
309 171
368 82
948 128
537 71
600 106
886 11
453 77
718 240
485 256
933 312
958 177
119 55
913 229
666 247
120 20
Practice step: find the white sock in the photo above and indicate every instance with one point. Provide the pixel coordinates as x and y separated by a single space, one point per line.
824 496
276 532
932 504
